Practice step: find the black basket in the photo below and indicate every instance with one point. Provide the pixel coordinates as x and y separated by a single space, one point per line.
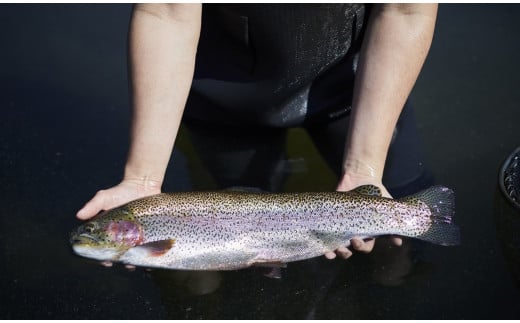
507 212
509 178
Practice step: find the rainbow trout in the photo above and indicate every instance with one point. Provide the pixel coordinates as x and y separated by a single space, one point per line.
235 229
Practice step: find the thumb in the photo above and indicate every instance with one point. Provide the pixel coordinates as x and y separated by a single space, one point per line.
92 207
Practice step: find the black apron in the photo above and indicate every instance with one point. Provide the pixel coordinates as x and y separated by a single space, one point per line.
276 64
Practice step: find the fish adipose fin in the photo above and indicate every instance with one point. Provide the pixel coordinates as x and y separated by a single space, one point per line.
367 190
441 202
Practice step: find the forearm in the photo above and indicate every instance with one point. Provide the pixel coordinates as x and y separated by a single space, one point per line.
163 41
395 46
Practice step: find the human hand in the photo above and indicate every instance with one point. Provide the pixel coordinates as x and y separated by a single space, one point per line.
126 191
349 181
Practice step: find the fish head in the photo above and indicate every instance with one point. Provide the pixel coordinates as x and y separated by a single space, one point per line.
107 236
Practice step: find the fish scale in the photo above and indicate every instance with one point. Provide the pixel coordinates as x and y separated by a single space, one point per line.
236 229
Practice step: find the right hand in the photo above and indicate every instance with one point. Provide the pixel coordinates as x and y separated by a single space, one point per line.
350 180
126 191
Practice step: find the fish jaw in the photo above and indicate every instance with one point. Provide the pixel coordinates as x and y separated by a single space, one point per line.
90 246
101 254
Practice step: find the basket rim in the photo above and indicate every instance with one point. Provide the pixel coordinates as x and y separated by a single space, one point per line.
501 175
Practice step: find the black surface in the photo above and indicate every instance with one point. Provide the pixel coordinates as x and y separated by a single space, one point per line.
63 135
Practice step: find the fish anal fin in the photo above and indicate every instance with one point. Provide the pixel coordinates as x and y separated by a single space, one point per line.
270 264
367 190
158 248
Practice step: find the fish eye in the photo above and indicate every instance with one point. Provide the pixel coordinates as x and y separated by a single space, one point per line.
90 227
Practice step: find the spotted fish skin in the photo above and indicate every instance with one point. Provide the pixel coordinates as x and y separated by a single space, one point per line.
234 229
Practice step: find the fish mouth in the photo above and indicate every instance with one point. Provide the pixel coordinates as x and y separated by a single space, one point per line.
82 239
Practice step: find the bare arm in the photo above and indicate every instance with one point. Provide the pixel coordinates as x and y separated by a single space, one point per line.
394 49
163 43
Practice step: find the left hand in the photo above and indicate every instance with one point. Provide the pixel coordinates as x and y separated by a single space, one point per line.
349 182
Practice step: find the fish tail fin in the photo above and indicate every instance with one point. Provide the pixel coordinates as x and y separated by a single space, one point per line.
441 202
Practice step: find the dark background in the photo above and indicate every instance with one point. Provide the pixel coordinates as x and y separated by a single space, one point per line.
63 135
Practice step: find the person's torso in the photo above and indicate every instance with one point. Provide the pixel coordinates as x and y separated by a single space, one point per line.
277 63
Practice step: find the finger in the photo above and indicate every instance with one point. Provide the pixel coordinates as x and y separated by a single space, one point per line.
362 246
106 263
89 210
397 241
92 207
330 254
130 267
344 252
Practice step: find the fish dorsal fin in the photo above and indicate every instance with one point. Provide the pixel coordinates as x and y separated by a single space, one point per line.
245 189
368 190
157 248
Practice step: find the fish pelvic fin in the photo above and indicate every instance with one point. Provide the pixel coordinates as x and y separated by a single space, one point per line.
273 272
271 268
441 202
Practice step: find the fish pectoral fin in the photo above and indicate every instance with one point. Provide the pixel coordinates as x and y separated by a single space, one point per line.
367 190
157 248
